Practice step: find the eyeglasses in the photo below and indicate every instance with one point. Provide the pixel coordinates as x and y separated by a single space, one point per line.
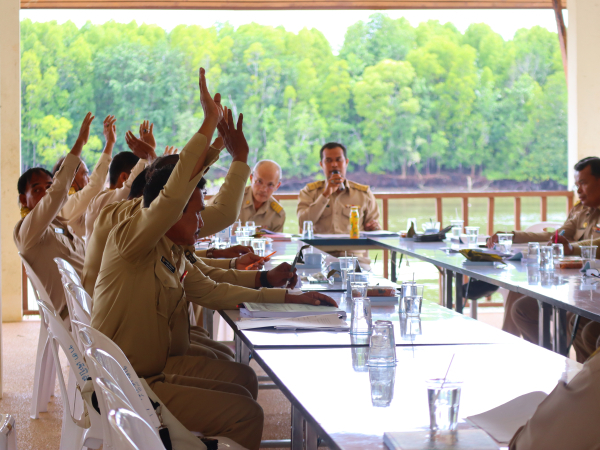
270 186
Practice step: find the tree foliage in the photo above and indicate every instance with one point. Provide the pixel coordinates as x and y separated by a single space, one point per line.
403 99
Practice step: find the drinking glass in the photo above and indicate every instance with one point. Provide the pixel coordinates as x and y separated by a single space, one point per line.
359 281
472 235
360 352
558 251
246 241
307 230
259 246
444 401
546 257
360 316
413 300
505 242
409 288
347 264
383 345
588 252
382 385
457 227
533 252
410 327
250 224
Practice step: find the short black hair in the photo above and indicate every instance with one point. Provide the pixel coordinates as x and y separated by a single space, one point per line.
122 162
593 162
162 161
137 187
27 176
58 164
330 146
157 181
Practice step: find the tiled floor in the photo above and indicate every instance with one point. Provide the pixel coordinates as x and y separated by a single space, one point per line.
19 349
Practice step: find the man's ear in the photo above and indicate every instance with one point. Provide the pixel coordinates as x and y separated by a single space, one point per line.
277 187
251 178
123 177
321 163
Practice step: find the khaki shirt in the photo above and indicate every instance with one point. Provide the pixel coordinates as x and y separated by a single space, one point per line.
583 225
332 215
145 280
74 209
215 219
568 418
108 196
43 235
270 216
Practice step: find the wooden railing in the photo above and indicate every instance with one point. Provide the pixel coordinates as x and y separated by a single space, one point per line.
465 196
385 197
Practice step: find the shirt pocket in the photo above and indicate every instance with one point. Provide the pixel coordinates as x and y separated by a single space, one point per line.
167 287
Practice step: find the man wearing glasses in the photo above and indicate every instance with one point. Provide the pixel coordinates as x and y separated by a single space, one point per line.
258 204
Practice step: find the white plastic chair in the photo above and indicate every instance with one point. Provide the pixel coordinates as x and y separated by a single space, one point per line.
76 431
132 432
44 377
67 267
541 226
8 432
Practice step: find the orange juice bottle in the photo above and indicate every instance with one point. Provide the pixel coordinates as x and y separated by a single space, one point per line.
354 221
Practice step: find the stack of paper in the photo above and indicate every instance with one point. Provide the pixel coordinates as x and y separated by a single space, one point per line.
286 310
323 322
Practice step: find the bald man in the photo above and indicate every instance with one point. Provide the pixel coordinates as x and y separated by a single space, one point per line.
258 204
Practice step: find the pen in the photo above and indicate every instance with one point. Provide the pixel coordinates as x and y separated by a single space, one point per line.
261 259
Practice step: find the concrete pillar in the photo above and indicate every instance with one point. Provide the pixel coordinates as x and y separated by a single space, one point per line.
10 159
583 52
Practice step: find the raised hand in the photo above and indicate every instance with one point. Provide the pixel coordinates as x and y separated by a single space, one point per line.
110 129
140 148
333 184
84 134
213 111
218 143
146 134
170 150
234 139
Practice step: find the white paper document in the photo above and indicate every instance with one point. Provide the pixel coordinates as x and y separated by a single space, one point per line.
503 422
286 310
326 322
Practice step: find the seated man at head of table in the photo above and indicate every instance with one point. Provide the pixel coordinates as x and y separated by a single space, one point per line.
327 202
580 226
145 279
259 205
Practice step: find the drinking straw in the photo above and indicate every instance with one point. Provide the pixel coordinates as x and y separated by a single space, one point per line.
444 380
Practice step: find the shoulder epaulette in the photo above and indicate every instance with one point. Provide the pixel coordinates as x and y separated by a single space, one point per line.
276 207
315 185
360 187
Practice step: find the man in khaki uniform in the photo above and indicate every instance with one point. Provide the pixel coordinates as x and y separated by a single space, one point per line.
258 204
567 418
145 280
42 235
583 226
327 203
84 189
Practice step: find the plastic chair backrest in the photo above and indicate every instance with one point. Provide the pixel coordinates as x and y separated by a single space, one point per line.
82 303
67 267
541 226
38 288
108 367
112 395
132 432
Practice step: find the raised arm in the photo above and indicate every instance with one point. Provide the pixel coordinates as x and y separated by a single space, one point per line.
40 217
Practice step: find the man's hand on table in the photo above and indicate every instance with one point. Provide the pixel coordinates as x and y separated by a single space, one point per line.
281 275
250 259
372 225
565 242
311 298
232 252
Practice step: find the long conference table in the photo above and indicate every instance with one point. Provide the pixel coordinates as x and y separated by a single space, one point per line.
326 378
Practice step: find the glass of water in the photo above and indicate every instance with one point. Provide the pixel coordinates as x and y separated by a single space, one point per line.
505 241
382 385
558 251
413 300
360 316
347 264
444 402
360 352
259 246
359 281
546 257
307 230
472 235
250 224
588 252
533 253
383 345
457 227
